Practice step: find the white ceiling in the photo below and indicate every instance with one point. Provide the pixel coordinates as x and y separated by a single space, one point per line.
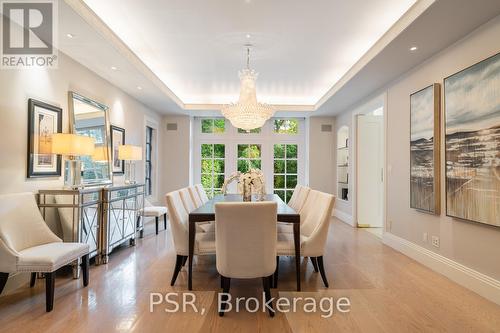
301 48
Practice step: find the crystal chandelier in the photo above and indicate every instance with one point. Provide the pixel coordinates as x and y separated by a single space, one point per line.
247 113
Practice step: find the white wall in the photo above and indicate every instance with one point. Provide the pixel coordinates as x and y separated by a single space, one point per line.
472 245
322 166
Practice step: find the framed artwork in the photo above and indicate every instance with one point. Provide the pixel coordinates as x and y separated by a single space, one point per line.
43 121
117 139
425 141
472 127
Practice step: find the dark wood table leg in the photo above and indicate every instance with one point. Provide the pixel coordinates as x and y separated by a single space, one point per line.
192 233
296 241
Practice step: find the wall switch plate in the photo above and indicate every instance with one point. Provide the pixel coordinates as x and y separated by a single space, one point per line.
425 237
435 241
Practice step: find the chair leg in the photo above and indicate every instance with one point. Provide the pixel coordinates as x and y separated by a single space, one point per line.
322 270
178 265
266 281
275 275
50 280
3 280
85 269
165 221
315 263
156 221
184 259
226 285
32 280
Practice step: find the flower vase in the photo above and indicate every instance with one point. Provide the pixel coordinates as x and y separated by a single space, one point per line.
247 192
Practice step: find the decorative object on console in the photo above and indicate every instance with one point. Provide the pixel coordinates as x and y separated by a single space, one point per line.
43 121
472 128
248 113
117 139
72 146
129 154
425 127
251 182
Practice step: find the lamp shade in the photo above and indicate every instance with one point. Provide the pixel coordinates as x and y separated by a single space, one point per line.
130 153
72 144
100 154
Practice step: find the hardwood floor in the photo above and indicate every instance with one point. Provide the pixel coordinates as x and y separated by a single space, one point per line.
388 293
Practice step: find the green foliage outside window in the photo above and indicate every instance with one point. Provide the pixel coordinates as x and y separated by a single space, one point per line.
285 170
212 168
286 126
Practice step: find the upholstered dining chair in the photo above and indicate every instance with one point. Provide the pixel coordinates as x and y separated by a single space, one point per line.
202 193
179 224
313 233
297 203
190 205
245 241
153 211
195 197
28 245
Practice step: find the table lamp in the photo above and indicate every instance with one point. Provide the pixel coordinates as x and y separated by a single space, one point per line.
100 154
129 154
72 146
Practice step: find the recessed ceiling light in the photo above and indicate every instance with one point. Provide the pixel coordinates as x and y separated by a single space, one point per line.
139 87
413 48
248 36
114 68
70 35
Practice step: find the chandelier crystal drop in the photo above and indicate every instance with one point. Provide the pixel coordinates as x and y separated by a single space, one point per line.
248 113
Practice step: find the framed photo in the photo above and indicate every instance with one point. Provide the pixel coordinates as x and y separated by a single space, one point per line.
43 121
472 127
425 127
117 139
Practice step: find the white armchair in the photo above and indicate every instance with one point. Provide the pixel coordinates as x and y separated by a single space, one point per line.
245 239
153 211
28 245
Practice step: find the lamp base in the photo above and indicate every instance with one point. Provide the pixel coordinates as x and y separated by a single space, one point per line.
72 174
130 173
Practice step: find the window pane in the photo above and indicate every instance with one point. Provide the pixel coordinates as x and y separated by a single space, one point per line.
279 181
218 181
279 151
206 181
219 151
254 151
242 165
288 196
242 150
255 164
207 125
279 166
255 130
291 151
291 166
291 182
281 194
206 166
286 126
206 150
218 166
219 125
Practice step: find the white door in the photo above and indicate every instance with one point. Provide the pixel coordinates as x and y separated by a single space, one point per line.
369 161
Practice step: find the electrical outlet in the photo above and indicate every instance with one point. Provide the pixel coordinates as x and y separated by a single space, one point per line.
425 237
435 241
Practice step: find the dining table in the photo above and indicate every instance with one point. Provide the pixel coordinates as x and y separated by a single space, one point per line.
206 213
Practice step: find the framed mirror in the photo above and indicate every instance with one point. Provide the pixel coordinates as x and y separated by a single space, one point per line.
91 118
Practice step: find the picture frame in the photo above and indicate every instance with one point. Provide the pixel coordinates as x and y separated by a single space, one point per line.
425 149
472 138
117 139
43 121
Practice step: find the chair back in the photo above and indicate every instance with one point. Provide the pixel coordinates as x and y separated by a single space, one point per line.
317 222
21 224
293 200
187 200
179 219
245 239
302 197
201 193
195 197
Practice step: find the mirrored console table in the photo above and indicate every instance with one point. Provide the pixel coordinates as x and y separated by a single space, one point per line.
103 217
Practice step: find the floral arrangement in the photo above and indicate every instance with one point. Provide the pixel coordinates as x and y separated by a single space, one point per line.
251 182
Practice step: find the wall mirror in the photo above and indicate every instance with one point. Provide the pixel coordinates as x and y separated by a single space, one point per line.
91 118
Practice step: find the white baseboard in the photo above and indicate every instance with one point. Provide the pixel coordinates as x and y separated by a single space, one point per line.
467 277
344 217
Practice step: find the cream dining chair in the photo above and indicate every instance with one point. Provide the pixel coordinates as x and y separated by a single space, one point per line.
195 197
28 245
202 193
313 233
245 241
204 242
153 211
296 202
